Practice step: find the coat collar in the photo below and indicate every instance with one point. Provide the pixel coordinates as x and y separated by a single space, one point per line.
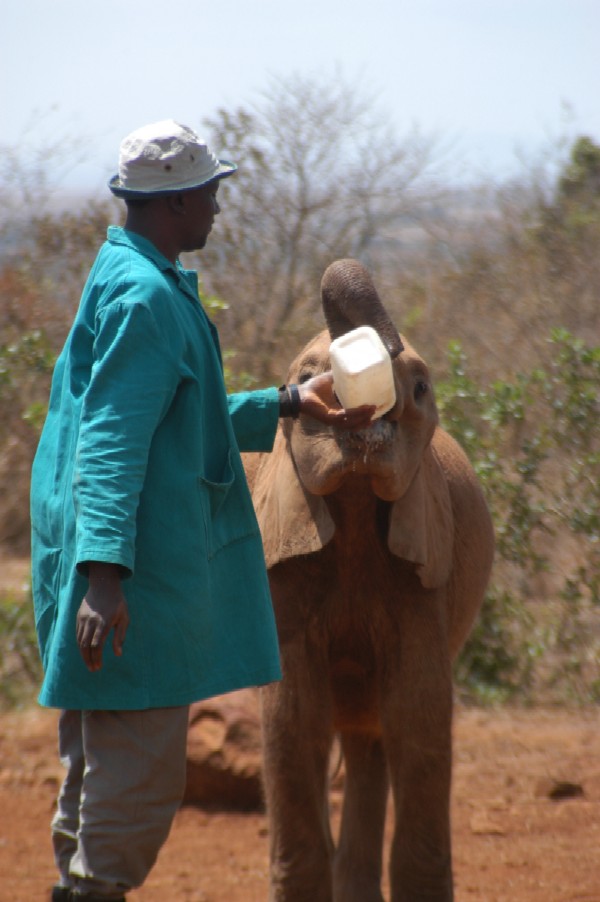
186 278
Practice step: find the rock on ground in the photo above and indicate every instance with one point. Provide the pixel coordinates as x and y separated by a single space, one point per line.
224 753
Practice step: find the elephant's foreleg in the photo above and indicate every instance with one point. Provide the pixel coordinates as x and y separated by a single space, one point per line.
358 859
416 720
297 741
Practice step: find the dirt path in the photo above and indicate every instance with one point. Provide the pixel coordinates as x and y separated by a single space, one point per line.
512 842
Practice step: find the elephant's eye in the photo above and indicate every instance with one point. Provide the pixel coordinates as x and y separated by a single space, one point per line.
305 376
420 390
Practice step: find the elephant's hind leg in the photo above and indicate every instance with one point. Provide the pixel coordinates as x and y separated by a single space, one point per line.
358 860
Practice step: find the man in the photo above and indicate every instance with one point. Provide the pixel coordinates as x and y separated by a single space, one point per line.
142 522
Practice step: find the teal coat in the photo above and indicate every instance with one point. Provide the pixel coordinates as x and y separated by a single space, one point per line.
139 465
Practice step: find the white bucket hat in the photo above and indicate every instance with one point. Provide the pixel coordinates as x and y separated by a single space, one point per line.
164 158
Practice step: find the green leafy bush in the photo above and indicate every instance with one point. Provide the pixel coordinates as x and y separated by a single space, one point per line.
20 668
535 444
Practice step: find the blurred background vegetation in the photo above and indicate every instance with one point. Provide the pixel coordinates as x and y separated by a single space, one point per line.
496 284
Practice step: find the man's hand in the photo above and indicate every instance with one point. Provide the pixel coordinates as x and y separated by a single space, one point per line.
318 400
103 608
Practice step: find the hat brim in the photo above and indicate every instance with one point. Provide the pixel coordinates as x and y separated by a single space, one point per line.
119 190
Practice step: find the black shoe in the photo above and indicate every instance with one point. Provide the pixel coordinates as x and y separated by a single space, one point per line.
64 894
61 894
89 897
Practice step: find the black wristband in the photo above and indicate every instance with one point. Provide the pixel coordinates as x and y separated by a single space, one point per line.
289 401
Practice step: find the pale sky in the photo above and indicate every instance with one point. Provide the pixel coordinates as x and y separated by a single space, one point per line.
497 78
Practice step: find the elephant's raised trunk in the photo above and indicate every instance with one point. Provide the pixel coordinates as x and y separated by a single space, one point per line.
350 299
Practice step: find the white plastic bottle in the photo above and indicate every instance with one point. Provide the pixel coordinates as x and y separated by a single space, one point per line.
362 370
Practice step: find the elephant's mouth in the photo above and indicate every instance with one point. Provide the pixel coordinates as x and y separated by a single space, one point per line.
375 440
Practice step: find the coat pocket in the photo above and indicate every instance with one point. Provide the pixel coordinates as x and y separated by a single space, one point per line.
227 508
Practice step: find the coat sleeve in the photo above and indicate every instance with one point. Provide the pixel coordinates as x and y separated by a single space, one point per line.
255 416
133 380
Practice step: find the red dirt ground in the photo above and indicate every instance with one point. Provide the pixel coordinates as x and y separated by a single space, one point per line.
512 842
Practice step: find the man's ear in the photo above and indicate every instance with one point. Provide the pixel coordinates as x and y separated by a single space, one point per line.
176 203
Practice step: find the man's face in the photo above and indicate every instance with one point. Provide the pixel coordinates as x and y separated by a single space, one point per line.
201 207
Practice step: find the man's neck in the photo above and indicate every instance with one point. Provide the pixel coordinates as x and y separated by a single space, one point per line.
151 225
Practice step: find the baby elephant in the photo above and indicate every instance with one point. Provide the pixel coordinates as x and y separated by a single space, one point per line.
379 546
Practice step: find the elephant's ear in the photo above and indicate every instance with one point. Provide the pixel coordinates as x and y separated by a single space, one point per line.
422 524
292 521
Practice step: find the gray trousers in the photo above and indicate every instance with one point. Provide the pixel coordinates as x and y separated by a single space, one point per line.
125 781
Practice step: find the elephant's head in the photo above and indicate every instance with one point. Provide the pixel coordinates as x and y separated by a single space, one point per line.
390 450
394 455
